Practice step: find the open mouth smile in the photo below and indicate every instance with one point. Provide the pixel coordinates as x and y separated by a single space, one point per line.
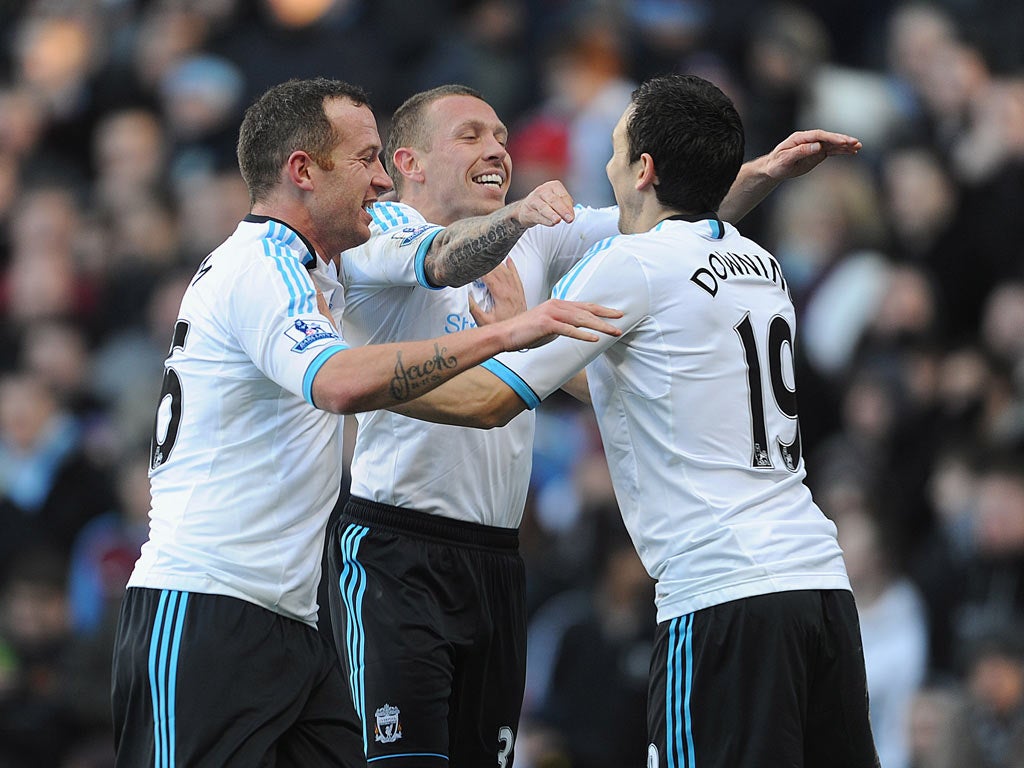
489 179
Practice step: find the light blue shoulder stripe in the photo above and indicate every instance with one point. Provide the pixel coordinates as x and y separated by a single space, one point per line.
387 215
562 286
513 380
280 232
302 296
421 257
314 368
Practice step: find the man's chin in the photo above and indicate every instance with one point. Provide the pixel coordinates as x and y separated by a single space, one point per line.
488 201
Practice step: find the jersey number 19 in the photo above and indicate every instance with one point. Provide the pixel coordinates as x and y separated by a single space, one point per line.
780 336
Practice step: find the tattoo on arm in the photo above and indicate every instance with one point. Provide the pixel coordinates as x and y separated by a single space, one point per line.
471 248
408 381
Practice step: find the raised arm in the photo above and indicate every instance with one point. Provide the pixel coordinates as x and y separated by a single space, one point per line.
794 157
472 247
381 376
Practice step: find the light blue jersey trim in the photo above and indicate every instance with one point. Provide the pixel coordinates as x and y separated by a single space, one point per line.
408 754
172 697
562 286
281 233
387 216
314 367
352 585
679 751
164 648
302 296
154 687
421 257
512 379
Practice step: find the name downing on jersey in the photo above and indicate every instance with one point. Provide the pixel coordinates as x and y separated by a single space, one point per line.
722 266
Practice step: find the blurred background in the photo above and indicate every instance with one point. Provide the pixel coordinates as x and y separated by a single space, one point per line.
118 120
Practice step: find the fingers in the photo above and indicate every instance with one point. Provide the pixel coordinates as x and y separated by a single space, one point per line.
548 204
585 315
573 332
807 143
594 323
324 307
599 309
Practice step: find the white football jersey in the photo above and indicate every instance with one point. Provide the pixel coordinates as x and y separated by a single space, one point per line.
468 474
696 405
244 470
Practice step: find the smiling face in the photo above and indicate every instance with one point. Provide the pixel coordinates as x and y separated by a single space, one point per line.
345 190
465 166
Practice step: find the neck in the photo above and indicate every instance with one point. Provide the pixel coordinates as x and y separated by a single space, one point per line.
648 215
430 207
686 216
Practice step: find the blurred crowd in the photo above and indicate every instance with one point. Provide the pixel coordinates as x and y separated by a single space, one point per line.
906 264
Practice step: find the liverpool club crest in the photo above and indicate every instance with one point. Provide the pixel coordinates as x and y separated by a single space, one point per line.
388 728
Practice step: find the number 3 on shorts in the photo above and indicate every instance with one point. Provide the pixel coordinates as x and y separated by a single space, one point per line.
506 743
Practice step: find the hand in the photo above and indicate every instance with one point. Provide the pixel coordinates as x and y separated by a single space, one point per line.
506 289
548 204
324 307
804 150
557 317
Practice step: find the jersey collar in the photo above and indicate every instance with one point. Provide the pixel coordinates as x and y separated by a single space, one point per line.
714 223
309 258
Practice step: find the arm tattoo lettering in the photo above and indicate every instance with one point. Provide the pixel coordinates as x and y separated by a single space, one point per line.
472 248
409 381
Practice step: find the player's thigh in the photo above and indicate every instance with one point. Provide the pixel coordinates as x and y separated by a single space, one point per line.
839 728
729 685
206 680
491 673
327 732
392 643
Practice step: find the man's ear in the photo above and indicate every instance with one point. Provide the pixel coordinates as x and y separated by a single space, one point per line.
646 175
299 168
407 163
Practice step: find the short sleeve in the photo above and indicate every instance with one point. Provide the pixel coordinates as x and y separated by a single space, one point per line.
275 317
607 275
562 246
395 253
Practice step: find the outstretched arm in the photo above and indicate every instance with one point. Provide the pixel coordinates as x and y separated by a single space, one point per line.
472 247
476 398
380 376
794 157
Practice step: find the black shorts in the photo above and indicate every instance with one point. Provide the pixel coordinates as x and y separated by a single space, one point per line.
231 683
765 682
429 618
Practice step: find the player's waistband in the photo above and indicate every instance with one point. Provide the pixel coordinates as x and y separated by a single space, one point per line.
416 523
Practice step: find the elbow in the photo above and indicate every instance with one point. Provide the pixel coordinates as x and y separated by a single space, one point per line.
499 412
339 400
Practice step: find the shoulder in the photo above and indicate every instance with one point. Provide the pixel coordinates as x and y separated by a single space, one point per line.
392 215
